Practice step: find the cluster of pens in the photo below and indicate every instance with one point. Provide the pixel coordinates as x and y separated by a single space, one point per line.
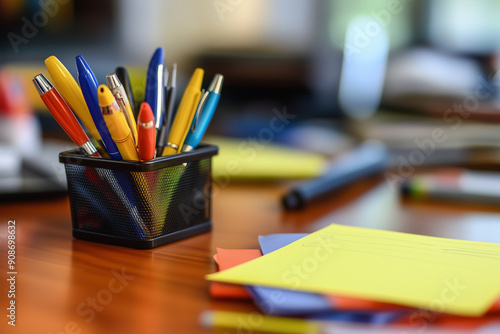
134 201
109 112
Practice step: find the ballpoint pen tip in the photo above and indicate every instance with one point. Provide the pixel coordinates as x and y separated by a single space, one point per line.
113 81
42 84
216 83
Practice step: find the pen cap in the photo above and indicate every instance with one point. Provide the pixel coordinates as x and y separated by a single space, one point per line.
105 96
84 68
42 84
113 81
216 84
196 80
146 133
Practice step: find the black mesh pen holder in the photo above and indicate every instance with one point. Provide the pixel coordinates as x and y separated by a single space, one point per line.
140 204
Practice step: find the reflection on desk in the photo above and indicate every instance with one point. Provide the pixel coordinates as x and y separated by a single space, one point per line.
66 284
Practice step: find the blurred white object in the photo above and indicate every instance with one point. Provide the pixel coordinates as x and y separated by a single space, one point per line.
464 26
366 50
430 72
11 161
21 132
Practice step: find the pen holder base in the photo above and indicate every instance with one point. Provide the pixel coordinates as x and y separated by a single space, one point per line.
140 205
144 244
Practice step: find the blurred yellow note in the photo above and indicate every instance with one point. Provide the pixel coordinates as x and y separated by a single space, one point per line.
442 275
246 160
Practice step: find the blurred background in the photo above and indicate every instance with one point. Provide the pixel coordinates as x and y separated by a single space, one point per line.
313 76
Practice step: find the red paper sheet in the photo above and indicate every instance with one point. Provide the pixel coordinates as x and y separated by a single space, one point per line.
225 259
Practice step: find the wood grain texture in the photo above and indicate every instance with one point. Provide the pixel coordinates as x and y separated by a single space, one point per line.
164 290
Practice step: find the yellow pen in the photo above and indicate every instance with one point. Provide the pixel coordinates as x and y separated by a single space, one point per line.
71 92
185 114
117 124
120 95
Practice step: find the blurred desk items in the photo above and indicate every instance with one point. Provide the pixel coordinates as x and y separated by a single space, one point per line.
442 85
450 142
26 171
455 185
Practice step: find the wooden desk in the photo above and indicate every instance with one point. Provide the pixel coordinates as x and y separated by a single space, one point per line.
163 290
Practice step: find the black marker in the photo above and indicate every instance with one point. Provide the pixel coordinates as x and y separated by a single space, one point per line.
367 159
122 74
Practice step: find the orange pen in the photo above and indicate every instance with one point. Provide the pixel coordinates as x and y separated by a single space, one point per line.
63 115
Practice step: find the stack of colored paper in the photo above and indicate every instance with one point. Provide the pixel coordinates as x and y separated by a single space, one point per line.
344 273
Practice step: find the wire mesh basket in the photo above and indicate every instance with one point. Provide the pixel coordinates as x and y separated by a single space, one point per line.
140 204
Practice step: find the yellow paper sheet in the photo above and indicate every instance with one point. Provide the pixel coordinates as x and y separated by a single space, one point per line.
442 275
241 159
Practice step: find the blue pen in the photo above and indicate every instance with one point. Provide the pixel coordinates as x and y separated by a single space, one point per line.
155 90
206 109
88 85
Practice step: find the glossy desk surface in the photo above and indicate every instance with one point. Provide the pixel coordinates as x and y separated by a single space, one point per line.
163 290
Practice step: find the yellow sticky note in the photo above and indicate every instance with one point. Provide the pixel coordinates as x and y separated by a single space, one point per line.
442 275
247 160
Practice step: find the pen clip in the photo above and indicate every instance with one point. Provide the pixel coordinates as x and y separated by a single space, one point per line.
203 100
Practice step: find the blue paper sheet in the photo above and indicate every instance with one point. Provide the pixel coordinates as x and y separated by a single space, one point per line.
274 301
272 242
281 302
374 318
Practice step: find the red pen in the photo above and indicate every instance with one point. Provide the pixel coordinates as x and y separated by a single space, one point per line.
63 115
146 133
